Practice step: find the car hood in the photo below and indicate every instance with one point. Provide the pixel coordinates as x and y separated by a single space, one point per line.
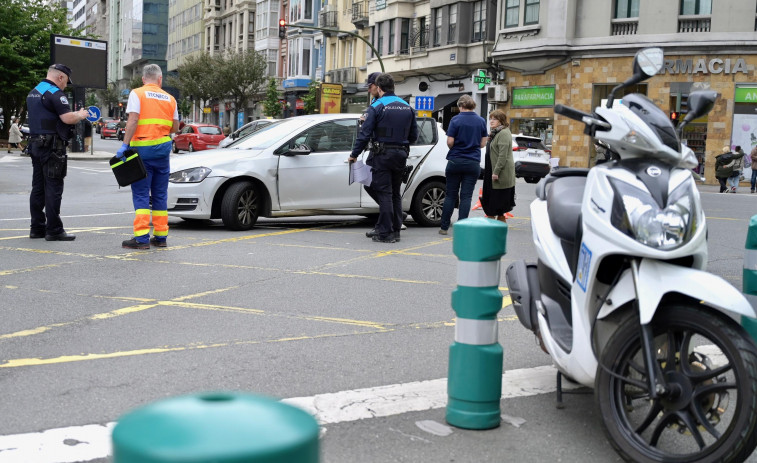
213 159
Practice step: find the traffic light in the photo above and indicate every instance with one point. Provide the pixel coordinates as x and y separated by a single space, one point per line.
674 117
282 28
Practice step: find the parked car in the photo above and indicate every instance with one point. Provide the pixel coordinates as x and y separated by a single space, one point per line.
197 137
247 129
531 158
109 130
298 167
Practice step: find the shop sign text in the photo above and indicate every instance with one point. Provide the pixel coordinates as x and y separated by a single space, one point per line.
533 96
702 66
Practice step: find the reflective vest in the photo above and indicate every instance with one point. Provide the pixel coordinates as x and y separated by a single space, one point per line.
42 120
156 110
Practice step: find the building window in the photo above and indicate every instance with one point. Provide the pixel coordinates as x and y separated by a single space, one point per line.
626 9
511 13
479 21
350 53
373 40
380 47
696 7
299 57
451 28
391 36
437 26
404 35
300 10
532 12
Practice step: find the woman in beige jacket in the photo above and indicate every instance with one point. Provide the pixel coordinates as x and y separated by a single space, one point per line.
498 196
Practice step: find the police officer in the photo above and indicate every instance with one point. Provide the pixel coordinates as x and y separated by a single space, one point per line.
50 127
153 117
390 128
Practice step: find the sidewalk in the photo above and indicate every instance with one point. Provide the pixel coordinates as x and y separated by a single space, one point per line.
87 156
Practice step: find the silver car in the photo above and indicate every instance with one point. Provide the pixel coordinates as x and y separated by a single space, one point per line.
298 167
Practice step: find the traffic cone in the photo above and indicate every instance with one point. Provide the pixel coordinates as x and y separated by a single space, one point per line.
478 203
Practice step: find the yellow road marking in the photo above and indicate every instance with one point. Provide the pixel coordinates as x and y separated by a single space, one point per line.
32 269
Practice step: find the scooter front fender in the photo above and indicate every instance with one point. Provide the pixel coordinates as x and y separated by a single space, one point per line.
658 278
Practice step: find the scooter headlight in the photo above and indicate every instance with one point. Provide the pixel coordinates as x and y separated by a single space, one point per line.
638 215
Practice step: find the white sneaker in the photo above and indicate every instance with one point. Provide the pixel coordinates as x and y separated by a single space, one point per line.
403 227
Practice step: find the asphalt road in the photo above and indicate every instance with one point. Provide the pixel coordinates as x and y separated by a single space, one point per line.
296 308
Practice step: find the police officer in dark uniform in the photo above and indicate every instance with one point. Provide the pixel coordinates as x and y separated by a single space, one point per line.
390 128
50 128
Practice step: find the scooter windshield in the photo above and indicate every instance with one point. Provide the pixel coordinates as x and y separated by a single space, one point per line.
655 118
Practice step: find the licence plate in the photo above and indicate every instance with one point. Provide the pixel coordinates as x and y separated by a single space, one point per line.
533 154
210 147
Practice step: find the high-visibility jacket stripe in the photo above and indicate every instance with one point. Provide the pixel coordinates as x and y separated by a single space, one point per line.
155 121
478 274
150 142
475 332
160 232
750 259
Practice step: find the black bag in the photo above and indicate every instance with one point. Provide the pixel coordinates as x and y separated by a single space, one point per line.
128 169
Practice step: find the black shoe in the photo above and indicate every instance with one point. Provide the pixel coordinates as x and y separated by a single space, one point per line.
36 235
388 239
134 244
372 233
59 237
397 236
158 243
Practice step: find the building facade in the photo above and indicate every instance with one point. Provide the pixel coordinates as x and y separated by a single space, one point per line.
574 52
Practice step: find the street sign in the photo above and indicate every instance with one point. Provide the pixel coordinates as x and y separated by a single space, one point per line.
481 78
424 103
331 98
94 114
423 114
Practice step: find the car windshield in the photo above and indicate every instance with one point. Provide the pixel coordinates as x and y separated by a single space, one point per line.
210 130
531 143
271 134
111 125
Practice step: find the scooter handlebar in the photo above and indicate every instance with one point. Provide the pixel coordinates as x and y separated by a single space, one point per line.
574 114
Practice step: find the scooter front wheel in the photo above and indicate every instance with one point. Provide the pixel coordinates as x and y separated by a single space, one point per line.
709 411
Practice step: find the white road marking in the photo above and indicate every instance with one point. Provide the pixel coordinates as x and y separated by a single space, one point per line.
84 443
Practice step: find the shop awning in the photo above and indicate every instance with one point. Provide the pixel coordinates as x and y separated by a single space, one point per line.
446 99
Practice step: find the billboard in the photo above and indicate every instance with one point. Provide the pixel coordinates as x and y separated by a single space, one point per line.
87 58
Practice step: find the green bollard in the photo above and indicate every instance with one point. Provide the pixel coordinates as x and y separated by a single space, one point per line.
749 279
474 383
219 428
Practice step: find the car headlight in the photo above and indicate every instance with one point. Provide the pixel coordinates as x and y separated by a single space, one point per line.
193 175
639 216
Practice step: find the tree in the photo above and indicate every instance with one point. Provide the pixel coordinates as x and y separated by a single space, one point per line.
91 99
310 100
240 76
25 31
271 104
196 78
184 107
110 96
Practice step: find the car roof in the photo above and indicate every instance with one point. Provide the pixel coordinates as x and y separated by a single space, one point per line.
201 125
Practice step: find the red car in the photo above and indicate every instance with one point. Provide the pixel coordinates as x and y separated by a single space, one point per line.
109 130
197 137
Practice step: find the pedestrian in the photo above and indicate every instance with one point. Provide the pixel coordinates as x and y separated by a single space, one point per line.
14 135
226 130
152 117
498 196
738 165
753 162
390 128
466 135
50 127
724 167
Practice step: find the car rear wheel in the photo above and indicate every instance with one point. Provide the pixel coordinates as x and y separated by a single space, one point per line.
191 148
427 204
175 148
241 206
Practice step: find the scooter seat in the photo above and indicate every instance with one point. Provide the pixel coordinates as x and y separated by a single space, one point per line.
564 205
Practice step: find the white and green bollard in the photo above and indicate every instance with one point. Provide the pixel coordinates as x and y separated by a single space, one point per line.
474 384
749 280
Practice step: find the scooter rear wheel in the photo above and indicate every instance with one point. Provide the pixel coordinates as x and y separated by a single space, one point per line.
710 367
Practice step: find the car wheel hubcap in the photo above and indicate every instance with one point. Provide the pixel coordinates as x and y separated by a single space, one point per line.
247 207
432 203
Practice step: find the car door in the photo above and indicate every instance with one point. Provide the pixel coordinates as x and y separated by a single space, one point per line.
317 177
427 137
182 141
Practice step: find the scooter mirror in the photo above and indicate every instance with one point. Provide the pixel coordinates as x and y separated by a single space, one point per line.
648 62
700 103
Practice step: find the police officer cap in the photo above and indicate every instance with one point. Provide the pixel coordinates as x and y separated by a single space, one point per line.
65 70
371 80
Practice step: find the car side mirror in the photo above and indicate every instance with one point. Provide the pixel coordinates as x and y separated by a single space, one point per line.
297 150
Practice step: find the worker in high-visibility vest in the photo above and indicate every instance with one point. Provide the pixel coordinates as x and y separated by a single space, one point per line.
153 116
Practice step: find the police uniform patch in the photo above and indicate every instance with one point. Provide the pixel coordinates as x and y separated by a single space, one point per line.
64 100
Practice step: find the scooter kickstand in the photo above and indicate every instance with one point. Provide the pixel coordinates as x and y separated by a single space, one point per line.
560 405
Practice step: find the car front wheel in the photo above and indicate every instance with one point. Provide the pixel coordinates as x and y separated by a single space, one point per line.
191 148
241 206
427 204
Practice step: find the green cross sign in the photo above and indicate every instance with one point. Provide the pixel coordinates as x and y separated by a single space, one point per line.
481 79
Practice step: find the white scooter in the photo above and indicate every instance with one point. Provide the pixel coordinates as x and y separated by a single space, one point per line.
620 299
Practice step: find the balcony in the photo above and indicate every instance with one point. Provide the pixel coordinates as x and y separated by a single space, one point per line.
360 14
693 24
624 26
344 75
328 19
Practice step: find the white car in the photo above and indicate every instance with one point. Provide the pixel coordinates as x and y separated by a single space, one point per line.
531 158
298 167
247 129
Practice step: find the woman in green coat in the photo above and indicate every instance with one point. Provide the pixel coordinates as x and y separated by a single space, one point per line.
498 197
